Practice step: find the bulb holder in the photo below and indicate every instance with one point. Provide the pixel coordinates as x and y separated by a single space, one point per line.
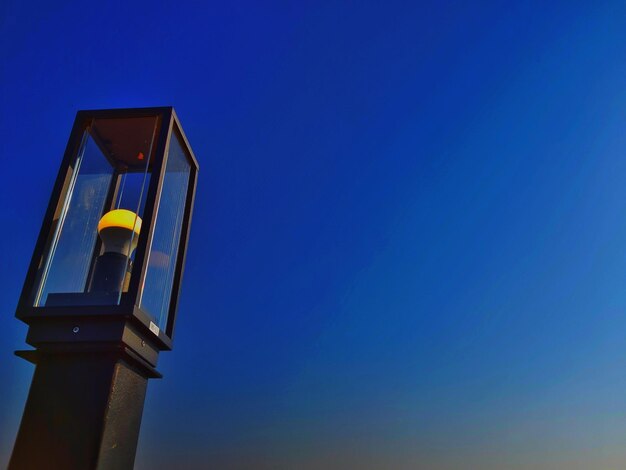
109 273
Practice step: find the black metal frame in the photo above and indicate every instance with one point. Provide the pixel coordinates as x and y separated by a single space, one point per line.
128 307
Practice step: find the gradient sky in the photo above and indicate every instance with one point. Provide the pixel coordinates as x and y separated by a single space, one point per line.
409 241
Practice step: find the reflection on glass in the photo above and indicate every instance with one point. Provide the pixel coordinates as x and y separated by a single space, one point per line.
159 278
88 259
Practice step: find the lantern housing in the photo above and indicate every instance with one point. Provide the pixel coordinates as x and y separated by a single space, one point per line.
108 262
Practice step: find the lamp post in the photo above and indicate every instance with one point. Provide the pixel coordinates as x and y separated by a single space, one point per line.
101 293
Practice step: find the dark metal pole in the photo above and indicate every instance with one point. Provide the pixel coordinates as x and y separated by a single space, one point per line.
83 412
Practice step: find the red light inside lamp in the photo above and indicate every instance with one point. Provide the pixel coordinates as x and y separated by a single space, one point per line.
140 156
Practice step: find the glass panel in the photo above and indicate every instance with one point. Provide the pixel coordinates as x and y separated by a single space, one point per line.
77 223
157 290
90 249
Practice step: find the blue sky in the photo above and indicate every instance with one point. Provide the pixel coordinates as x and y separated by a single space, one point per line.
409 241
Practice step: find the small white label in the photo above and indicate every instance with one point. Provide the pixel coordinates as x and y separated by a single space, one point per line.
154 329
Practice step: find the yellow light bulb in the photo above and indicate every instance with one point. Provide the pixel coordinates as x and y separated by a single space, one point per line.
116 231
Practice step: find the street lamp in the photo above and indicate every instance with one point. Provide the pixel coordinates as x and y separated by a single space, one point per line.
101 292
